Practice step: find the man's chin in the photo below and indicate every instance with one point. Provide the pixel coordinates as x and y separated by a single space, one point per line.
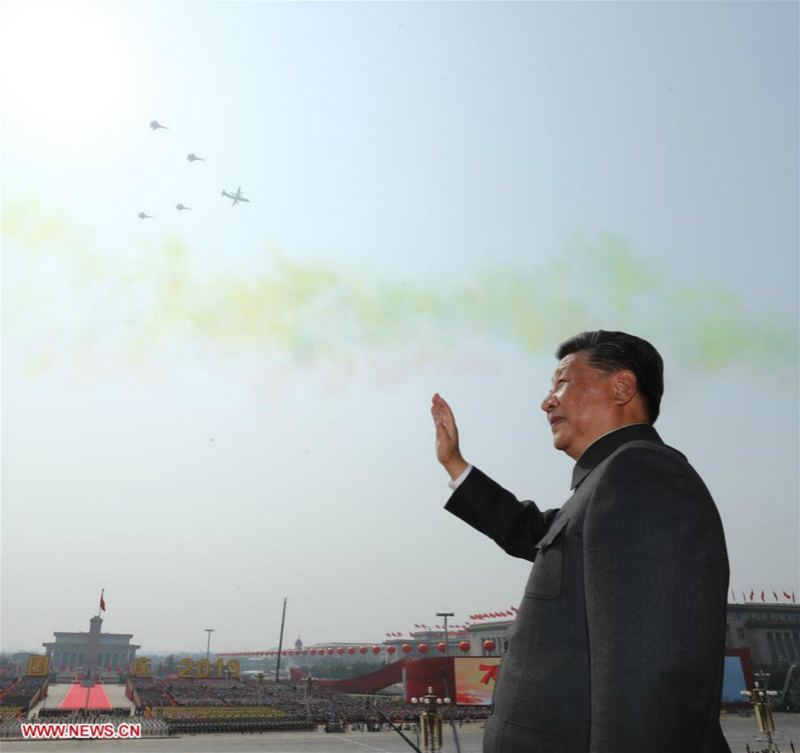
560 442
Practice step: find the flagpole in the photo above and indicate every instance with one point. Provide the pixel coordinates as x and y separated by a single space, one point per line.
280 641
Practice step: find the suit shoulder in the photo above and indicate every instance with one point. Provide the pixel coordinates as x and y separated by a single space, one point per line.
644 451
652 463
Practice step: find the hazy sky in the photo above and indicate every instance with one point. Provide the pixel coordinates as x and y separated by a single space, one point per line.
210 410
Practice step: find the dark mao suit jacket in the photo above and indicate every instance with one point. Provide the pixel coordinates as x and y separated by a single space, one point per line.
619 643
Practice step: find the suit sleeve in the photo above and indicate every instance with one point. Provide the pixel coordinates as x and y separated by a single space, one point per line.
656 579
514 525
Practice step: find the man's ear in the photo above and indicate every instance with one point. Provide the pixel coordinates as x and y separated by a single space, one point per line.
624 387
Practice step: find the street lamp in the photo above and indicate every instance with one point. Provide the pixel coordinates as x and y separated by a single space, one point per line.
208 647
446 634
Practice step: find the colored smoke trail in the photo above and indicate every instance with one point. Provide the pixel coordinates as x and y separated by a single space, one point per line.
73 298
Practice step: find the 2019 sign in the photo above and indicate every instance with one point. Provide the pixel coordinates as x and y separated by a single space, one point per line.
205 669
187 667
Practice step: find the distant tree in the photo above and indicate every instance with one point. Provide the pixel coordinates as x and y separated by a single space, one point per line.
338 670
171 665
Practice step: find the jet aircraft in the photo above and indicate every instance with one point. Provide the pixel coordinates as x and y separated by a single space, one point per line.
155 125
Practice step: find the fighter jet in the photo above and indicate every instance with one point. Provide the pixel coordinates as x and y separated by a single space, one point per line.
143 216
237 197
155 125
180 207
192 157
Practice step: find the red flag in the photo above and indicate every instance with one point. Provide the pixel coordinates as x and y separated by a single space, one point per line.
793 601
762 596
775 595
744 597
102 601
787 596
752 594
733 596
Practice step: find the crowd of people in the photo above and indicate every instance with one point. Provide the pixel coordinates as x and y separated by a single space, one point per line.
243 705
82 715
199 701
21 692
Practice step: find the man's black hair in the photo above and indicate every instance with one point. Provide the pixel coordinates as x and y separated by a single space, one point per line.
614 351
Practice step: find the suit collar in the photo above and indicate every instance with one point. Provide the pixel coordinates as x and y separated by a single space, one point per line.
601 448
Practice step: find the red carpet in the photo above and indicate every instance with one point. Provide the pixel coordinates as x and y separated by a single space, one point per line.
76 698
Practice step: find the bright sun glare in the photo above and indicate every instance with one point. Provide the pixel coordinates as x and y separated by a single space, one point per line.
67 72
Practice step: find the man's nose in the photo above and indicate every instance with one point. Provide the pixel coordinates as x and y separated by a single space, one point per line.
549 402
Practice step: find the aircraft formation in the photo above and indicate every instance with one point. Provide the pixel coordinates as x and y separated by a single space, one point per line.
192 157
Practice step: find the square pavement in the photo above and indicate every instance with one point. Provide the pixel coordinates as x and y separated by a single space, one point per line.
738 730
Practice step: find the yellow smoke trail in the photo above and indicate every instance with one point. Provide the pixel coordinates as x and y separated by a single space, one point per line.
315 313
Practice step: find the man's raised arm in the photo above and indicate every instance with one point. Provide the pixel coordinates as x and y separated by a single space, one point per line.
482 503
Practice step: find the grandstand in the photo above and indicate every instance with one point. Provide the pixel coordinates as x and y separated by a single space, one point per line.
173 705
265 706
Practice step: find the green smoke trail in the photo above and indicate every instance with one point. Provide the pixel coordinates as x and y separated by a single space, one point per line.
316 313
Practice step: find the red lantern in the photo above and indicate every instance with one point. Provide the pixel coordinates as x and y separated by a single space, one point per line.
464 646
423 648
442 648
489 645
340 651
376 649
313 652
405 648
305 651
364 649
351 650
331 651
390 649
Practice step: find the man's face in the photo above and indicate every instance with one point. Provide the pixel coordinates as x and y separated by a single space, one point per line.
580 406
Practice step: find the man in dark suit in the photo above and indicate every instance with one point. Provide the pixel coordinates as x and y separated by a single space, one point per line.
618 645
